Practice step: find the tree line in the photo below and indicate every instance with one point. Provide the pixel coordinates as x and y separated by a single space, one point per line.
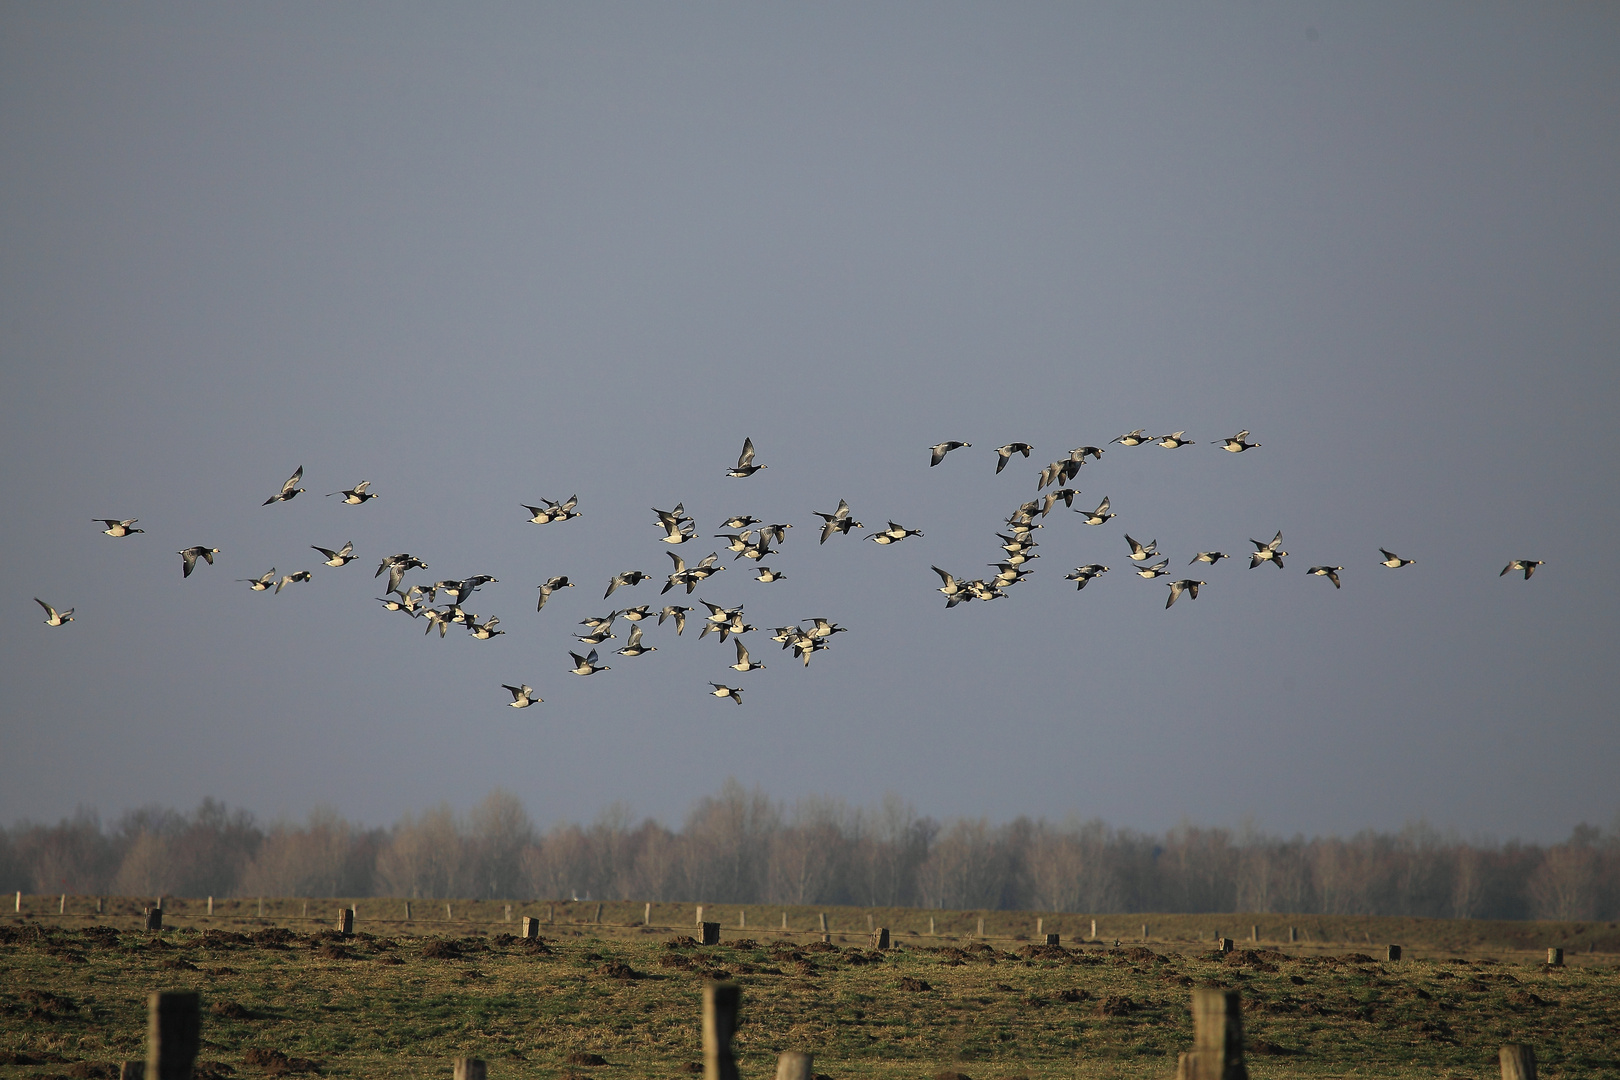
739 846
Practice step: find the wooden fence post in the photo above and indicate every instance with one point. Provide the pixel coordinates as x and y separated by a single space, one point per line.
880 938
742 919
711 933
823 919
1144 931
1518 1062
1225 945
981 926
646 914
449 913
531 928
132 1070
1555 957
551 913
261 907
210 905
793 1065
784 922
508 916
1040 926
931 926
699 921
469 1069
407 911
306 909
1052 939
1254 933
1392 952
18 907
720 1002
1293 934
154 919
598 914
869 924
99 903
1093 929
345 923
173 1024
1217 1052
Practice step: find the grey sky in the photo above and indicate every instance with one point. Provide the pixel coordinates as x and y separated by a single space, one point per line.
500 253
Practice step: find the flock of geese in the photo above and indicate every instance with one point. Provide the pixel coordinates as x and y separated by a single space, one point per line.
751 538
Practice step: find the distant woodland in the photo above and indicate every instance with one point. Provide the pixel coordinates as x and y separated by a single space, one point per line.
739 846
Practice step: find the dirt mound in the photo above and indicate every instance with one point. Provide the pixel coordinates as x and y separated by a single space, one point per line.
93 1070
230 1010
616 969
440 949
276 1063
1252 958
915 986
685 941
580 1057
1116 1005
1044 952
272 935
334 952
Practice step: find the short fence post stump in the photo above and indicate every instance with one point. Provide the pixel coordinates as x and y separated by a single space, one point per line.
210 905
1392 952
469 1069
174 1022
1144 931
646 915
1254 933
531 928
1093 930
784 922
1293 934
407 911
981 926
598 914
823 917
154 919
711 933
742 920
1052 939
345 922
880 938
1217 1052
720 1002
699 921
131 1070
1555 957
449 913
1518 1062
261 907
17 907
931 926
1226 945
793 1065
61 908
508 916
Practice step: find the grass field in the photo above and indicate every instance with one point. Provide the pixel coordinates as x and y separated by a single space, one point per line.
285 995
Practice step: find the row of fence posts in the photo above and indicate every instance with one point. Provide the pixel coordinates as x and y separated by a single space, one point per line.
174 1030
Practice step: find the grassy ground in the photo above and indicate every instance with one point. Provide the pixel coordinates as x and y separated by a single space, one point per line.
282 995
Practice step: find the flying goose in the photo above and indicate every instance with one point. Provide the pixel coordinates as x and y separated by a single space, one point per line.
635 614
1009 573
289 579
629 577
1271 552
550 586
739 521
634 647
1329 572
953 590
1080 453
1142 552
839 520
289 490
678 614
190 556
1173 440
824 628
357 494
778 531
745 462
1236 443
262 582
1156 570
586 665
116 528
1099 515
1004 453
1083 574
737 541
1131 438
485 630
1185 584
338 558
721 690
755 551
1052 497
1395 562
743 663
1527 565
1211 557
893 534
767 575
938 451
552 511
56 618
596 637
407 604
603 622
522 696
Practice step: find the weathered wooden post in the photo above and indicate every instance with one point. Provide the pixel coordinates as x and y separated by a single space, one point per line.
173 1025
1040 926
508 916
880 938
345 922
1226 945
869 925
154 919
1293 934
1392 953
551 913
699 921
132 1070
742 919
306 909
1254 933
711 933
531 928
823 917
793 1065
1555 957
1093 929
646 914
469 1069
261 907
18 906
407 911
598 914
784 922
981 926
1518 1062
99 903
1052 939
449 913
1217 1052
931 926
210 905
1144 931
720 1002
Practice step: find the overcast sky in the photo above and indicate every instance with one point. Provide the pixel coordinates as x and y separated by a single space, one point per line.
483 255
